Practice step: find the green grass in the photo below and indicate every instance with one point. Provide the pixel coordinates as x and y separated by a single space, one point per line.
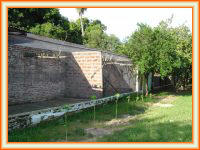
158 124
152 123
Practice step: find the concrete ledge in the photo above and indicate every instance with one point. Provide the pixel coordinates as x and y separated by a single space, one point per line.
26 119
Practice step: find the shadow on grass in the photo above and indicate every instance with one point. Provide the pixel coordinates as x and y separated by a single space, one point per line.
184 93
148 130
172 91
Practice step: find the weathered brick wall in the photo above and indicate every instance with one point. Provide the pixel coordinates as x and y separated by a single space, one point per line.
38 75
84 74
34 75
118 75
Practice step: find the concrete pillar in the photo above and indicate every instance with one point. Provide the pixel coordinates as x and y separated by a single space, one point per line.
137 88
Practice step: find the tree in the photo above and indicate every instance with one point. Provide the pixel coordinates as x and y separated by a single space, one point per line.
74 34
50 30
163 50
80 13
113 43
42 21
95 37
183 71
175 52
30 17
141 51
48 22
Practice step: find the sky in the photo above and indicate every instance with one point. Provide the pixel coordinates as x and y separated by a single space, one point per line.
123 21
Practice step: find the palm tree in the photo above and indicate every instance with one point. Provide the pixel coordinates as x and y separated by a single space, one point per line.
80 13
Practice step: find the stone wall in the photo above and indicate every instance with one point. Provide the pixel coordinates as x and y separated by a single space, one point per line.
84 75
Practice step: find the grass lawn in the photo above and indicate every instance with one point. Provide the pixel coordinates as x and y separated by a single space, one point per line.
163 117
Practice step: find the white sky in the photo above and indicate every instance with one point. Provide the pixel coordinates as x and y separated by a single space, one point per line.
123 21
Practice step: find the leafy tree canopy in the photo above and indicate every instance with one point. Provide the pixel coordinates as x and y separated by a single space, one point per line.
48 22
30 17
162 49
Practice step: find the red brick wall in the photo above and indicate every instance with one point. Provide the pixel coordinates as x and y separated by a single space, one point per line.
84 75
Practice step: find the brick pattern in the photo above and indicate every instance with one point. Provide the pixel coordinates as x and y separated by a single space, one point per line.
118 77
38 75
32 78
84 75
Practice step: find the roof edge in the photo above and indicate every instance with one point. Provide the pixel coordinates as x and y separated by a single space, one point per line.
19 32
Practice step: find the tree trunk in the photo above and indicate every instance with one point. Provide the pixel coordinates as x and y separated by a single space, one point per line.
152 83
147 92
174 80
147 89
82 30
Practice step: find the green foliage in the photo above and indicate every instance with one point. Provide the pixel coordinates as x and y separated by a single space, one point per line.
93 97
29 17
49 22
95 37
50 30
128 98
175 55
117 95
140 49
163 50
74 33
66 107
112 43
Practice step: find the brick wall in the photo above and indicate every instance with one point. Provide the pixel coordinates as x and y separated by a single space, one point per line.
38 75
84 75
118 75
34 75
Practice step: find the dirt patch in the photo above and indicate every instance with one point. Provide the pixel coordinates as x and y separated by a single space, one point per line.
168 99
166 102
98 132
163 105
120 121
159 97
